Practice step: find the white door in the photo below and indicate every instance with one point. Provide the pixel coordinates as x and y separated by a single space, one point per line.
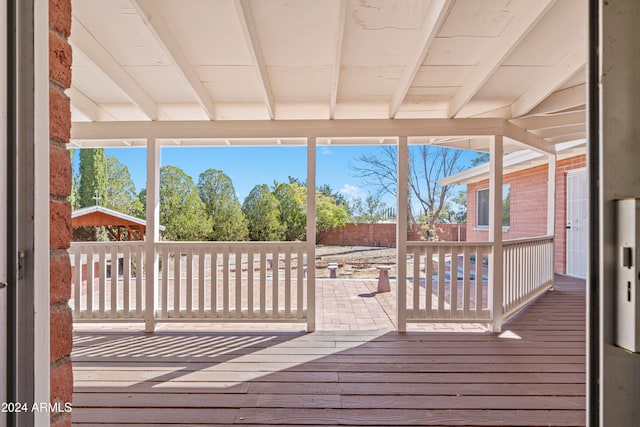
577 223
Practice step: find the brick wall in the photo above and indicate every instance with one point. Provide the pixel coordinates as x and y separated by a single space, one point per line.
61 377
385 234
529 206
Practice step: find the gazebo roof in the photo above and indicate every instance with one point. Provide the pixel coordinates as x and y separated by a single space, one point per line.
101 216
261 66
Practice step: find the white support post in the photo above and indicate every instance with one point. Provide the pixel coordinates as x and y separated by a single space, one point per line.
496 279
311 234
401 234
551 206
152 234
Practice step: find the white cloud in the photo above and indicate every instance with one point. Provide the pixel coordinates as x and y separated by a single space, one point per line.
352 192
326 151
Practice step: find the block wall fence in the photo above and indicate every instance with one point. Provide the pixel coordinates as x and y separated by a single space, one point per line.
529 206
61 375
384 234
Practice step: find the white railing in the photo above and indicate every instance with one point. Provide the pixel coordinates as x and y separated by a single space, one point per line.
447 281
232 281
196 281
108 280
527 271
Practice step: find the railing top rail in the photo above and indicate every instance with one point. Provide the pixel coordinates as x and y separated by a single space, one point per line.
420 244
527 240
232 244
108 243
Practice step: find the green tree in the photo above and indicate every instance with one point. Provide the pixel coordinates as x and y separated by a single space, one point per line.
225 213
181 211
73 197
370 209
120 192
329 215
92 177
480 158
460 215
292 199
262 211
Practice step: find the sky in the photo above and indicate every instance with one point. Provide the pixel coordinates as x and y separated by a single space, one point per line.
250 166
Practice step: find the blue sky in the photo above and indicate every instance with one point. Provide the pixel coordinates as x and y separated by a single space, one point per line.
249 166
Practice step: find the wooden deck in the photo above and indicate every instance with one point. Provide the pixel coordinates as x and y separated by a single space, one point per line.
342 377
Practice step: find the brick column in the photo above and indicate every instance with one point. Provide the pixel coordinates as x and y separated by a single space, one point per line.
61 325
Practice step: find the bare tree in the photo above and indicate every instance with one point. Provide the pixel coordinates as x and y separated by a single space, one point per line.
427 165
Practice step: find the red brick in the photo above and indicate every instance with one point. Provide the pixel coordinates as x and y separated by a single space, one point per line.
61 390
60 16
60 224
59 116
60 278
61 420
59 171
60 332
59 60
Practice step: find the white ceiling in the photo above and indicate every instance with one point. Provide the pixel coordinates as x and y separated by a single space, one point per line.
184 60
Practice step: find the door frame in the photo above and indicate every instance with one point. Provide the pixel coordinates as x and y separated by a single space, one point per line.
27 227
584 172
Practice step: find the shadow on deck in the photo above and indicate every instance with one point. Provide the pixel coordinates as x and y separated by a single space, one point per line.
535 377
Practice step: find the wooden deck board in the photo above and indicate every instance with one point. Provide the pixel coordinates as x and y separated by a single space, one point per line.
341 378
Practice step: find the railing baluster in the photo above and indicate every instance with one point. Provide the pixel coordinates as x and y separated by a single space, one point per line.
113 282
300 273
479 306
126 280
238 292
225 281
140 268
287 281
189 283
102 281
214 282
250 267
77 289
416 285
466 259
263 282
166 266
177 278
441 279
275 282
201 276
90 282
453 282
428 281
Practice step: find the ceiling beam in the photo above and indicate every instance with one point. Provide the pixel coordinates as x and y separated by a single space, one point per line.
551 121
435 16
84 41
559 131
568 137
247 23
203 129
528 139
523 22
566 68
561 100
87 106
152 18
337 62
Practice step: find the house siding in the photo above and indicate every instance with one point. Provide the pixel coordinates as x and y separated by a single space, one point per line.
529 206
61 323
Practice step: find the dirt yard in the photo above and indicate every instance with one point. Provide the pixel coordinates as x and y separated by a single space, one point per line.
357 262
